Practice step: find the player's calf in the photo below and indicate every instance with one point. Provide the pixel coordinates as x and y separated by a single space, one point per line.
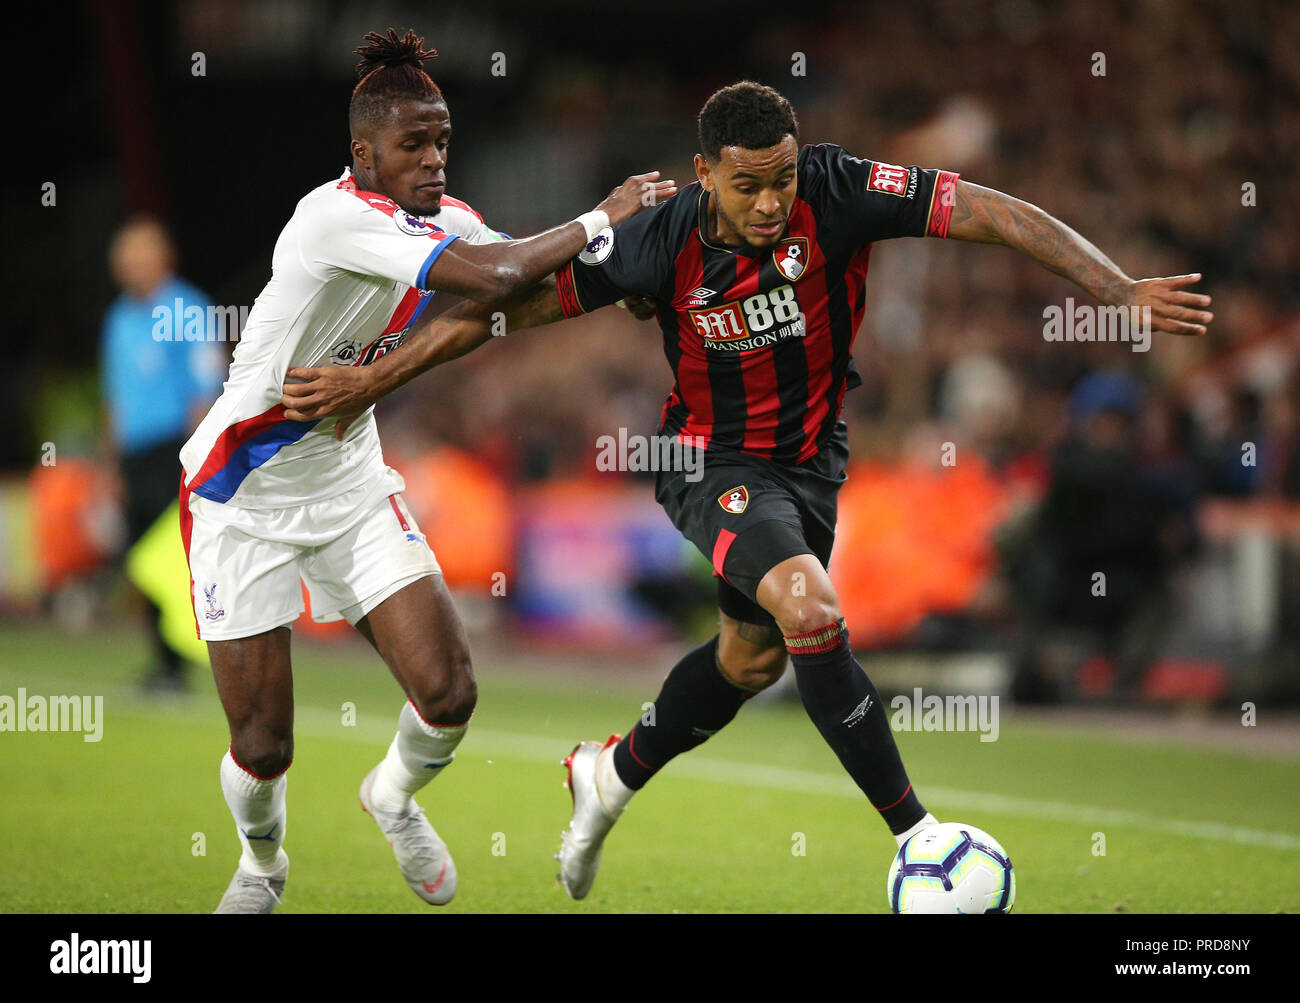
696 701
420 750
846 708
434 719
257 803
702 694
837 694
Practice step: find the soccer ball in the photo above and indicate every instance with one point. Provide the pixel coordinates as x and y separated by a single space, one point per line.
950 868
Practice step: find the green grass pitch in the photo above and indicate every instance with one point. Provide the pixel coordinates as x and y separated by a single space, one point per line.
112 826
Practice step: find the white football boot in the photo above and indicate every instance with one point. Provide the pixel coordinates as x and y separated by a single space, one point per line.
252 894
582 841
422 856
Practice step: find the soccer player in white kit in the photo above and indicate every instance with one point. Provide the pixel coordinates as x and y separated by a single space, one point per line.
266 501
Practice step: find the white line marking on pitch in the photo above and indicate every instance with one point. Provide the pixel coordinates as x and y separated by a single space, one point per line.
538 749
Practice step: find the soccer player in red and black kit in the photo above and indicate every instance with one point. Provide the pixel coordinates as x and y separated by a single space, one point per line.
757 274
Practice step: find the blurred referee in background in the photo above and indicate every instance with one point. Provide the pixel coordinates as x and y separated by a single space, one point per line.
156 386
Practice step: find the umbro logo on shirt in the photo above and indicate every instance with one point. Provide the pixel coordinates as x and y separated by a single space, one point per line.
699 297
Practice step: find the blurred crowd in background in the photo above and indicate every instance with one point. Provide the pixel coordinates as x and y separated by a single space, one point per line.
994 471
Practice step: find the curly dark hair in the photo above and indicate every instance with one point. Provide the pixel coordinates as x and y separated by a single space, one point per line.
391 70
746 114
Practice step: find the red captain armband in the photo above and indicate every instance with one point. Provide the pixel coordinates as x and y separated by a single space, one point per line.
570 306
942 200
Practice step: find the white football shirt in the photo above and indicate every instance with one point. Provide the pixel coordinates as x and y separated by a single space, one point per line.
347 280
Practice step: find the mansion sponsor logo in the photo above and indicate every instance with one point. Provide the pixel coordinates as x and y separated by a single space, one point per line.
75 956
795 329
950 713
179 321
1098 323
651 453
56 713
756 321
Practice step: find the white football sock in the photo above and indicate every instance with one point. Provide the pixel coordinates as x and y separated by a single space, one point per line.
929 820
418 753
259 810
613 793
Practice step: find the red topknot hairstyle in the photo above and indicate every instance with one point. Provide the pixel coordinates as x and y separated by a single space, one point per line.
391 70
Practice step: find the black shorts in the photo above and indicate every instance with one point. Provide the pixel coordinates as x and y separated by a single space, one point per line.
747 515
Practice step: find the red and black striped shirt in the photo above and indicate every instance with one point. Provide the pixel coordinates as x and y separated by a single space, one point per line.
761 340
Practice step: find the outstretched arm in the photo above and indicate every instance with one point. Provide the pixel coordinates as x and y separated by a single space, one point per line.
985 216
488 272
330 391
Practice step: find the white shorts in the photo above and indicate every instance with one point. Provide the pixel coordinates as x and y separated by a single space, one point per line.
352 551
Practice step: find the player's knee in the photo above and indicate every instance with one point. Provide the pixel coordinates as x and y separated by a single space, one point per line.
450 695
449 708
460 703
264 752
801 614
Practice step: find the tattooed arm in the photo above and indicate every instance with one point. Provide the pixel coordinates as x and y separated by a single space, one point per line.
346 391
985 216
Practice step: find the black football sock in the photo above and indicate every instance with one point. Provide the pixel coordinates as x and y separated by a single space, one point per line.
696 700
846 709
